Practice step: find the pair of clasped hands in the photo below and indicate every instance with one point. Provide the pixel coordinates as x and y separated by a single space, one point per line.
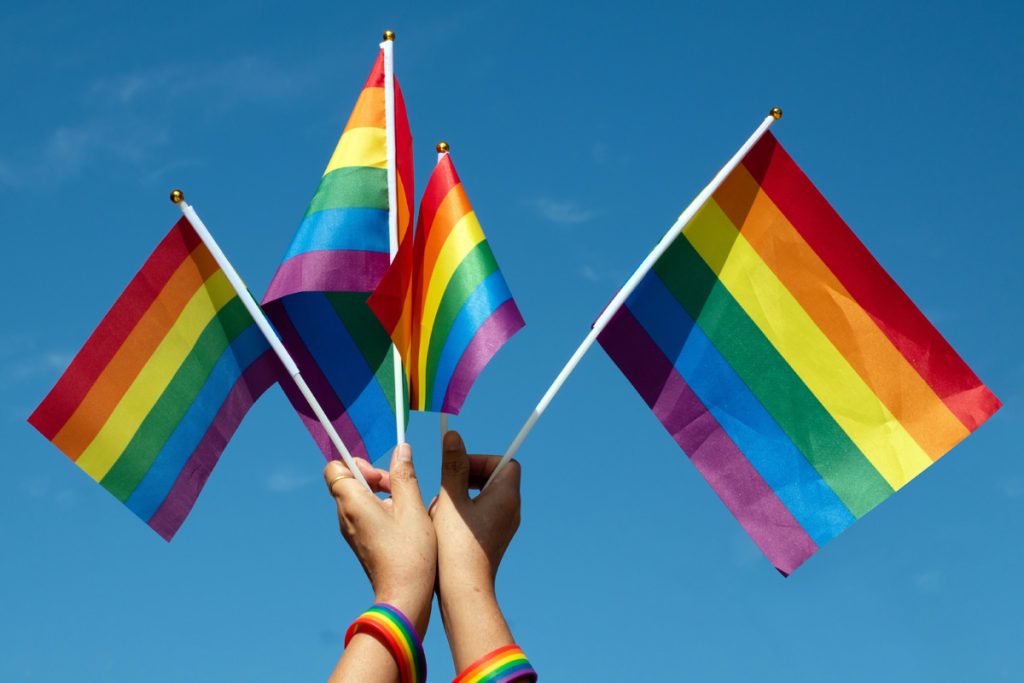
409 550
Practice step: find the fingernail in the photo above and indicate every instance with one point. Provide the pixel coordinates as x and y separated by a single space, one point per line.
452 441
403 453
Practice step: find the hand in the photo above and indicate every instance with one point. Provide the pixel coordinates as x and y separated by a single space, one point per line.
472 536
393 538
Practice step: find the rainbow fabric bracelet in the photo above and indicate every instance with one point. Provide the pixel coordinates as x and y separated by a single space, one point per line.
501 666
397 633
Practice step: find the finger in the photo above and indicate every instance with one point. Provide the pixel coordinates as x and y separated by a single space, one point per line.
454 467
374 476
481 467
405 489
334 473
349 495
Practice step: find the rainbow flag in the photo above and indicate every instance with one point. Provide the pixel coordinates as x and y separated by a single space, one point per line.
149 403
447 307
799 378
317 298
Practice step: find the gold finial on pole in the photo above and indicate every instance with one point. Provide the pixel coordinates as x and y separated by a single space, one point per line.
776 113
177 196
442 147
389 35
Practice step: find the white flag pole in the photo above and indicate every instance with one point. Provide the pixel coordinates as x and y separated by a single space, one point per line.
268 331
442 152
631 284
388 46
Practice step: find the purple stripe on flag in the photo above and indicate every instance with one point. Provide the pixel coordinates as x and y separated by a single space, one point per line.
496 330
321 388
257 378
730 474
328 271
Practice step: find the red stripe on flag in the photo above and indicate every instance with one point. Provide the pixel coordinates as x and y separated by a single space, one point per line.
873 288
376 79
115 327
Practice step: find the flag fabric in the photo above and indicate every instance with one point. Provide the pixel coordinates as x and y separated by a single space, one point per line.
151 400
447 308
317 298
794 372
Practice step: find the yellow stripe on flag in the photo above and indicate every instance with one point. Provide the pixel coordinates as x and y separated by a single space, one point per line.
465 235
142 395
839 315
360 147
852 404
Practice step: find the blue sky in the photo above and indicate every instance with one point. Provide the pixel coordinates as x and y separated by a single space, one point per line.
580 131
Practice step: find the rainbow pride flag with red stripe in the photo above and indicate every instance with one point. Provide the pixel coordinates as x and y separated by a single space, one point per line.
794 372
447 307
149 403
341 250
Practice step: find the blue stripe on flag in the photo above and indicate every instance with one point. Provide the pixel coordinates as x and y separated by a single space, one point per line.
345 368
352 229
794 480
156 485
488 296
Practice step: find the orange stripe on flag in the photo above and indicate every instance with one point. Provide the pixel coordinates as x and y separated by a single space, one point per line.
843 320
104 395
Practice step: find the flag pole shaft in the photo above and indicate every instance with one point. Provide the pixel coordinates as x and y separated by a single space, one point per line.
270 334
630 286
388 46
442 152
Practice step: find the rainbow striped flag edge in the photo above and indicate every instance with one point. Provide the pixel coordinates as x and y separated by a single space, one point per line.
340 251
149 403
446 304
793 371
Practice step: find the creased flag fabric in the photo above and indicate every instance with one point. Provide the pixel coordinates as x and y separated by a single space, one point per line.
317 298
794 372
447 308
149 403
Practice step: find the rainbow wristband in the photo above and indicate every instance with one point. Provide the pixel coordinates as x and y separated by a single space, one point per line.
501 666
398 635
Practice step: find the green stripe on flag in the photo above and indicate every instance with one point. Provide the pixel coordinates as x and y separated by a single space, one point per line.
352 187
369 336
158 426
474 269
775 384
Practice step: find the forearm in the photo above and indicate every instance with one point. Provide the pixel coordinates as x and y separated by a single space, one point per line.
366 658
473 621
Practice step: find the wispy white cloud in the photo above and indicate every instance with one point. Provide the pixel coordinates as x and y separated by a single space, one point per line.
236 81
563 212
590 273
928 581
128 118
40 487
22 359
1012 487
284 481
34 365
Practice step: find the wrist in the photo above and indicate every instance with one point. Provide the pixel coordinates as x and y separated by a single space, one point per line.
414 603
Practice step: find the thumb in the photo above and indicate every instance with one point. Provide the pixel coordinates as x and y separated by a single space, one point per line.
454 467
405 489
